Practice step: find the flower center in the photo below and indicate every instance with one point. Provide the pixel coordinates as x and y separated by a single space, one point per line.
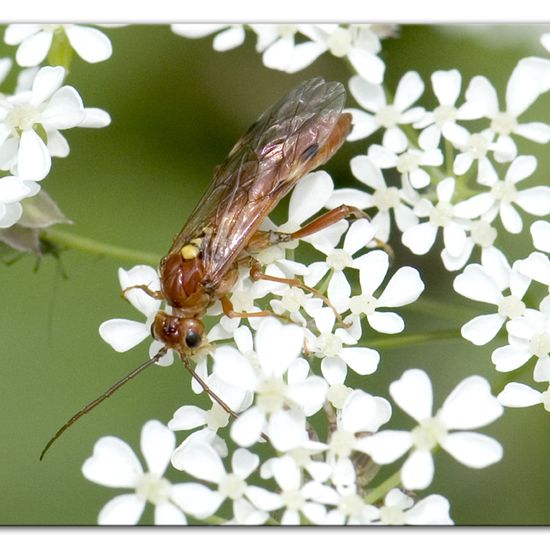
339 42
504 191
407 162
351 505
443 114
328 344
388 116
363 304
504 123
482 233
540 344
293 500
22 117
392 515
270 396
216 417
339 260
428 433
232 486
386 198
337 395
342 442
153 488
477 146
442 214
293 300
511 307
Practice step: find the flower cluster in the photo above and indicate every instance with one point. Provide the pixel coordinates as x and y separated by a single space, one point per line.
286 434
33 116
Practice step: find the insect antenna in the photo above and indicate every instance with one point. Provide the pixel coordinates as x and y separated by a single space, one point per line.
207 389
102 398
212 394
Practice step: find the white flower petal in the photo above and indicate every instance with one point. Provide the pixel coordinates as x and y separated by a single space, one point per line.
519 395
535 200
199 460
470 405
113 464
246 429
34 49
432 510
540 231
168 514
373 267
196 499
473 449
476 284
413 393
409 89
90 44
403 288
33 160
157 445
64 110
46 82
122 510
387 446
233 368
334 370
386 322
286 429
446 86
187 418
123 334
418 470
420 238
309 394
362 360
508 358
309 196
357 411
367 65
482 329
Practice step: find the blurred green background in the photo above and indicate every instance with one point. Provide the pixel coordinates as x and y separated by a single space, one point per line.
177 108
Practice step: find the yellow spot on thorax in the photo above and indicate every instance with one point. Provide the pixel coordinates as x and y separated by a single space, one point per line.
190 250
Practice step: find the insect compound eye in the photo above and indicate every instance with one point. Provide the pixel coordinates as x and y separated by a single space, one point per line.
193 339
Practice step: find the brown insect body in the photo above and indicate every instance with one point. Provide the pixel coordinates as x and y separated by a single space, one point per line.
298 134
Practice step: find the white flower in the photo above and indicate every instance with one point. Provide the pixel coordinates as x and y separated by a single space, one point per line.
359 235
503 195
400 509
521 92
408 163
12 191
295 496
124 334
227 37
384 198
284 391
404 287
189 417
381 114
203 462
537 267
470 405
420 238
48 105
519 395
529 336
361 414
487 283
349 508
114 464
35 41
442 120
338 350
540 231
280 49
474 147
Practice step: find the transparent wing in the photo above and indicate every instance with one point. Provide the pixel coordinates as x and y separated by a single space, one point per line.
293 137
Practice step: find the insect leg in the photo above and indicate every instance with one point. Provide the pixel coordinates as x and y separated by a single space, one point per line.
257 274
228 310
157 294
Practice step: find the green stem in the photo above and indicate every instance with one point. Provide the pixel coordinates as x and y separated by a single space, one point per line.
378 493
65 239
397 341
